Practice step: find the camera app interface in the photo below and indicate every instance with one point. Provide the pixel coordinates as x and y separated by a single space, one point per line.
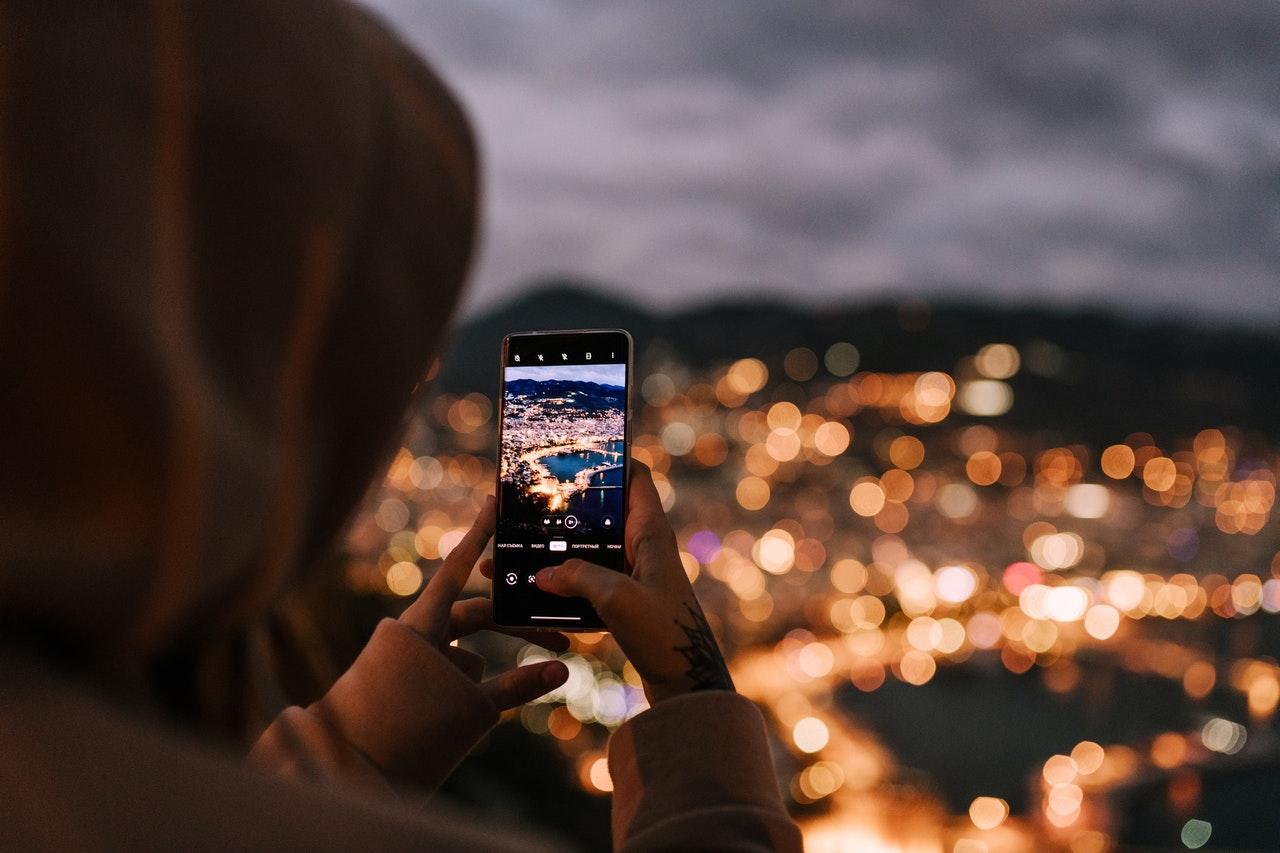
562 467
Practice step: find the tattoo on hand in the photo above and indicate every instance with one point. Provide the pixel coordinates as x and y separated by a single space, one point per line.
706 665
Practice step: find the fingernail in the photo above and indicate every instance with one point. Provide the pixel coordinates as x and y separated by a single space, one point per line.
555 674
545 574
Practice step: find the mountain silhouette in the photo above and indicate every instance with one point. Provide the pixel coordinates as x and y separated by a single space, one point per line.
590 396
1113 375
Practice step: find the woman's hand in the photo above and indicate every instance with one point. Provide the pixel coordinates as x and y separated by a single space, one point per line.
441 619
652 613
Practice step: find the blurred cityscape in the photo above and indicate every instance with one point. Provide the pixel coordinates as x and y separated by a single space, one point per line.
1000 580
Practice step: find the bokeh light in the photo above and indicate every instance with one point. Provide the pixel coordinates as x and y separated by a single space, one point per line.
856 532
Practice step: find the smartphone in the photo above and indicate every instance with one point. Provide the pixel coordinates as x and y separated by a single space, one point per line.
564 439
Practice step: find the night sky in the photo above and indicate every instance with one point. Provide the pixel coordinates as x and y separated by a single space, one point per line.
1118 154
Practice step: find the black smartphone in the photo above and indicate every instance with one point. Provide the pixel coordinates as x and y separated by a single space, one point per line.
564 436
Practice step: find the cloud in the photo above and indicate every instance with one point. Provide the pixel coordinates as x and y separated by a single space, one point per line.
1116 153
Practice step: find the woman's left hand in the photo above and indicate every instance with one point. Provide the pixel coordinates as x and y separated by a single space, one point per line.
440 618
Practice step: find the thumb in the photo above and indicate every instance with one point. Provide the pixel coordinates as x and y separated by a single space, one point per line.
598 585
524 684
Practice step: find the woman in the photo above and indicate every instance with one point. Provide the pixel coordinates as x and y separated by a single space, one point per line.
230 237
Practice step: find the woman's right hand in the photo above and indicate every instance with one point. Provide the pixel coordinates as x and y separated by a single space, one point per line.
652 613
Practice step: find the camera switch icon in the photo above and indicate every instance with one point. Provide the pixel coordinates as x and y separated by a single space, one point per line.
511 579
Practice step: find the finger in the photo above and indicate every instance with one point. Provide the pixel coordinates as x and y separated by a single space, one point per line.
467 617
471 664
604 588
524 684
476 614
651 543
485 567
428 615
456 568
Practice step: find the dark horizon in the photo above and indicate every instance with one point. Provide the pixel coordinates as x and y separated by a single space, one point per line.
566 289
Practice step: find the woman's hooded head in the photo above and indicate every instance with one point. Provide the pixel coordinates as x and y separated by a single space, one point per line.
225 262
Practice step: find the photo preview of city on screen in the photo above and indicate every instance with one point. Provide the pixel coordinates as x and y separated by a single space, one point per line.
562 445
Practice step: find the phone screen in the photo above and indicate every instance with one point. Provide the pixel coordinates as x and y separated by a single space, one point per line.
562 469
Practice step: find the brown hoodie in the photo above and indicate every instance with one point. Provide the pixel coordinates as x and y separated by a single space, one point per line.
230 237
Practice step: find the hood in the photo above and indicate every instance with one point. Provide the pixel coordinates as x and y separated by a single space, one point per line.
231 235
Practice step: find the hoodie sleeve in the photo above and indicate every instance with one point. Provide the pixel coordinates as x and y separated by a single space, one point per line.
402 710
694 773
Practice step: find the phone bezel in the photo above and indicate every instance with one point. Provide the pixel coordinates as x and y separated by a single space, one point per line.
596 625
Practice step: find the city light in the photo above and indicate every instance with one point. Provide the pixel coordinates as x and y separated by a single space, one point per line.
851 531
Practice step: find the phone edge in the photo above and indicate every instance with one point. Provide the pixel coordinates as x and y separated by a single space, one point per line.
626 473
